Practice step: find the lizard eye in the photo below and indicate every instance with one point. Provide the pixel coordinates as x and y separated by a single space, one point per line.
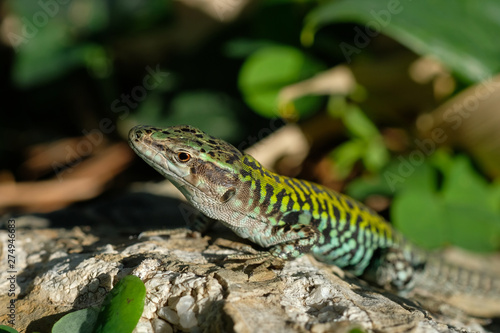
183 157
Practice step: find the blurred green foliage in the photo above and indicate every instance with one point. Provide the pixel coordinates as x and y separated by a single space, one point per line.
438 200
365 142
58 36
78 55
268 70
457 32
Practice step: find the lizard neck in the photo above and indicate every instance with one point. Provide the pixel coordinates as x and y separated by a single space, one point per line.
259 198
253 170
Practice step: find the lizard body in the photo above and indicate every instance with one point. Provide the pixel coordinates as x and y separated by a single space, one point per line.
288 216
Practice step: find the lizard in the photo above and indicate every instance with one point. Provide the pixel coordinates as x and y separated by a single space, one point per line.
289 217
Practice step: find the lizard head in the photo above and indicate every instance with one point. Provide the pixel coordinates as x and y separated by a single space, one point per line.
205 169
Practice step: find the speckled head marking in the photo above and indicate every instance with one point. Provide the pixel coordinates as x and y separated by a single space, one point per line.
201 166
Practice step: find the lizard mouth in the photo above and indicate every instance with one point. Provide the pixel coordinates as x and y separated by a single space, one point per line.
156 155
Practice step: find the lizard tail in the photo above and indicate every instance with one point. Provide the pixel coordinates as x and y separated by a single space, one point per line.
456 278
475 292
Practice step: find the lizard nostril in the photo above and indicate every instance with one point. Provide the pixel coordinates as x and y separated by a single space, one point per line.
137 134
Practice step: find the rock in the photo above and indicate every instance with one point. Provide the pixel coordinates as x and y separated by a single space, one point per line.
191 288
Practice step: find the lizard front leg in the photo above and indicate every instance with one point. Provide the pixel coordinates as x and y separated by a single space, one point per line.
291 237
292 241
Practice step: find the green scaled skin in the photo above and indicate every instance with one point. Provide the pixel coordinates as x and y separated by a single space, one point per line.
288 216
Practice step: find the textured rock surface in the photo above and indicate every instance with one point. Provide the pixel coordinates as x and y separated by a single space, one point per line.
191 288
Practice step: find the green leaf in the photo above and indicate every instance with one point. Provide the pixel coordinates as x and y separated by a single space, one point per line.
418 211
442 160
362 187
398 175
376 154
463 186
52 40
268 70
359 124
472 227
408 172
7 329
82 321
337 106
306 105
494 197
97 61
473 218
49 47
346 154
458 33
461 214
464 212
122 307
366 143
421 177
420 216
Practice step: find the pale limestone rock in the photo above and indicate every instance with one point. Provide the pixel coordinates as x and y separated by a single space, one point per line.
191 288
